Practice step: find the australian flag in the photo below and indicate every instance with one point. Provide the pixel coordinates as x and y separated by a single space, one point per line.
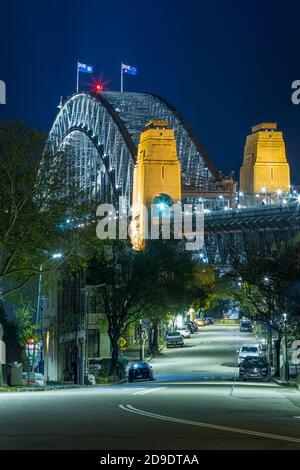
129 69
85 68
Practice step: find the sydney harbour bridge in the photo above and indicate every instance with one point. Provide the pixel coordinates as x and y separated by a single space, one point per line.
101 132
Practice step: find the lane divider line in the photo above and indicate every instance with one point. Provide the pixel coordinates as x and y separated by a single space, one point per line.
143 392
217 427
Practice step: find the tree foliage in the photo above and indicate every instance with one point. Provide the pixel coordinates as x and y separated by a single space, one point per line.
35 207
131 284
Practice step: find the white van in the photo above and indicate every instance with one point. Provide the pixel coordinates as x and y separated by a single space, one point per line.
249 349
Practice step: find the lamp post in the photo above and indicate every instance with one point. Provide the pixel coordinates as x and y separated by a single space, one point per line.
39 316
286 362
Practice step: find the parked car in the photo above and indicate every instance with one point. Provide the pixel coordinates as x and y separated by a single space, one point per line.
140 370
174 339
251 349
254 367
209 321
33 379
194 325
185 332
233 316
201 322
246 327
190 328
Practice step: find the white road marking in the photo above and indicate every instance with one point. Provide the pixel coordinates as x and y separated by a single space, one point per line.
143 392
131 409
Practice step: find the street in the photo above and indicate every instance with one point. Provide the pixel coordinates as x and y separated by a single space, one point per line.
194 403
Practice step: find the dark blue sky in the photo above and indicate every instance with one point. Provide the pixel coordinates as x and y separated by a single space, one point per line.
226 65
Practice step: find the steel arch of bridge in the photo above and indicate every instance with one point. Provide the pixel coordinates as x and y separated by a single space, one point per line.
101 131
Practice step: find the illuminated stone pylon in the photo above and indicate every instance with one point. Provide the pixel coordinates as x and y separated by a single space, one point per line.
156 177
265 168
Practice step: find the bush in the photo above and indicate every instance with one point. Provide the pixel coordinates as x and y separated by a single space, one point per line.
103 375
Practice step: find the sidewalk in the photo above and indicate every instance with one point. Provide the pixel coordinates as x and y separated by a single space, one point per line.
40 389
132 354
291 383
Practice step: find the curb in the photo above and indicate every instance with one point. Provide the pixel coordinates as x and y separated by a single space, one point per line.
40 389
290 384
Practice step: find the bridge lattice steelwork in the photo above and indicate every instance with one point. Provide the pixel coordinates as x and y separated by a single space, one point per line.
100 131
255 229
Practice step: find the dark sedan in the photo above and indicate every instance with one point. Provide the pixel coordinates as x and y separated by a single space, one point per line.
140 370
246 327
255 368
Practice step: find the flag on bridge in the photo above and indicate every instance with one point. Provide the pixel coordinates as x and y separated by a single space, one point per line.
127 69
84 68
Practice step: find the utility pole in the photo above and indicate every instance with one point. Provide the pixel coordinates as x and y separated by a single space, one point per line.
286 362
141 341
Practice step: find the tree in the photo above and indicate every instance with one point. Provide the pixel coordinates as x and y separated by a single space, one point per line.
133 283
10 334
28 331
267 285
36 207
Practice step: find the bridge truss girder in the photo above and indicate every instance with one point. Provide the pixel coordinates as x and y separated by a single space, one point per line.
101 131
249 231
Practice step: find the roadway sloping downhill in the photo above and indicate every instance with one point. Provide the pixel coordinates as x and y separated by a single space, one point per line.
193 404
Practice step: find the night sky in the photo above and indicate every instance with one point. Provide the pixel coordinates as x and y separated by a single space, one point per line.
225 65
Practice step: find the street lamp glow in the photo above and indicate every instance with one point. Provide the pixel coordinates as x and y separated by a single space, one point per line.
279 192
57 255
264 189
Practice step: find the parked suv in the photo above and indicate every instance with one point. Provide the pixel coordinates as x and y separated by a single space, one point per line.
246 327
255 368
185 332
174 339
251 349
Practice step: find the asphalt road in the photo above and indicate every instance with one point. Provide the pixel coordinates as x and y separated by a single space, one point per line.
194 403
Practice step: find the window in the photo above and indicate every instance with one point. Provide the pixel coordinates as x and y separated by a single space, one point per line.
163 173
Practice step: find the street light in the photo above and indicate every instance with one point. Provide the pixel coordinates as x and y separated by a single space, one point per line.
57 255
54 256
39 319
286 363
